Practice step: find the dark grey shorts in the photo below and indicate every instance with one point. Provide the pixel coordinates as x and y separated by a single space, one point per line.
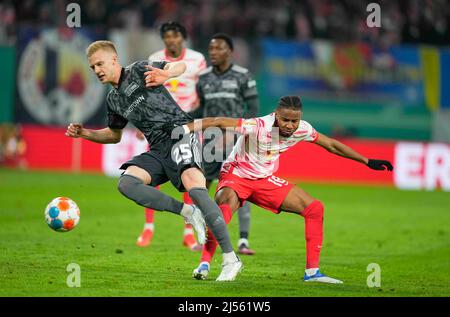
212 170
166 166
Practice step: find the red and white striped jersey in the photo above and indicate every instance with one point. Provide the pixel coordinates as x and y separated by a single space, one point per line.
257 151
182 88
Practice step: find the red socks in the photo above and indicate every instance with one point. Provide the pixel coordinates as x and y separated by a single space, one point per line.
211 243
313 215
149 215
187 199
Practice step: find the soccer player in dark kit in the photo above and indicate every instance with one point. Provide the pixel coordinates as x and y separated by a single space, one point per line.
183 90
228 90
138 96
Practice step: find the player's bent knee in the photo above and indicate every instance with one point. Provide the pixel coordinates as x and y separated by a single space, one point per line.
193 177
122 185
227 196
315 210
126 184
140 173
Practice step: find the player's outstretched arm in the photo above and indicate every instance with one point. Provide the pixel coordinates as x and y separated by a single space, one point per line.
106 135
156 77
205 123
338 148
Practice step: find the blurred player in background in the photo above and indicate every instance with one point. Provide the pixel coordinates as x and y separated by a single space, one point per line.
226 90
182 89
12 146
139 97
247 174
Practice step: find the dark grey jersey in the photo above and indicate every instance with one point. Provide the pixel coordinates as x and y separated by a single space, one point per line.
148 109
227 94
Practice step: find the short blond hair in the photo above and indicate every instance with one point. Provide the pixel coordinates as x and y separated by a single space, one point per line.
100 45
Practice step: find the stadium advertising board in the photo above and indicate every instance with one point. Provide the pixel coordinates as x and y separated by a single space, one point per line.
416 165
7 62
114 155
422 166
445 79
401 75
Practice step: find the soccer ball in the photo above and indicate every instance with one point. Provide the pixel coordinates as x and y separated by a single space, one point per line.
62 214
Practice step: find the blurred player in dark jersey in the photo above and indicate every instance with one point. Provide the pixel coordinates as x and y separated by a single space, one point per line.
139 97
226 90
182 89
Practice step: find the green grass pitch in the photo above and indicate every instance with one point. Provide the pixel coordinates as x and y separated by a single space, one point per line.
406 232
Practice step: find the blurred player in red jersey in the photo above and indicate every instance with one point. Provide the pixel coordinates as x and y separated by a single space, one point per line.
247 174
184 92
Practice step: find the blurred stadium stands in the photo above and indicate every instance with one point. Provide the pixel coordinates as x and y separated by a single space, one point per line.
390 82
404 21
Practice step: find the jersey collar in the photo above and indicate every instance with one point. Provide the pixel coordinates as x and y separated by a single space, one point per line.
223 73
121 78
272 121
171 59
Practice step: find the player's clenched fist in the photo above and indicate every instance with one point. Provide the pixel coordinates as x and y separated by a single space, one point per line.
380 165
74 130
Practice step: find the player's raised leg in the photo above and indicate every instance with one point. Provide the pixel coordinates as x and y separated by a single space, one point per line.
194 181
300 202
146 235
134 185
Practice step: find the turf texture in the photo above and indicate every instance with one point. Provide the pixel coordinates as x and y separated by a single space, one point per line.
407 233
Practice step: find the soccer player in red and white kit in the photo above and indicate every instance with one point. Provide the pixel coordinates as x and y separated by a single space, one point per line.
247 174
183 90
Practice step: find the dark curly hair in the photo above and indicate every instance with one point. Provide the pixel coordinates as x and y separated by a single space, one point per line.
172 26
290 102
225 37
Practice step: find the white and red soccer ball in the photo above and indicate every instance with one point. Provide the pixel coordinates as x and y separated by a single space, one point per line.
62 214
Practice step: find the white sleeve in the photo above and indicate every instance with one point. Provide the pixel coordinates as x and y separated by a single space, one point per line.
249 126
153 57
310 134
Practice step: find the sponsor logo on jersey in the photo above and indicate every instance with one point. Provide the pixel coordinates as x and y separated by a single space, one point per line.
229 84
131 88
174 84
220 95
134 105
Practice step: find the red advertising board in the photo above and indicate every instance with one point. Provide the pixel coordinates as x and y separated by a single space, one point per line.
49 148
310 162
416 165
